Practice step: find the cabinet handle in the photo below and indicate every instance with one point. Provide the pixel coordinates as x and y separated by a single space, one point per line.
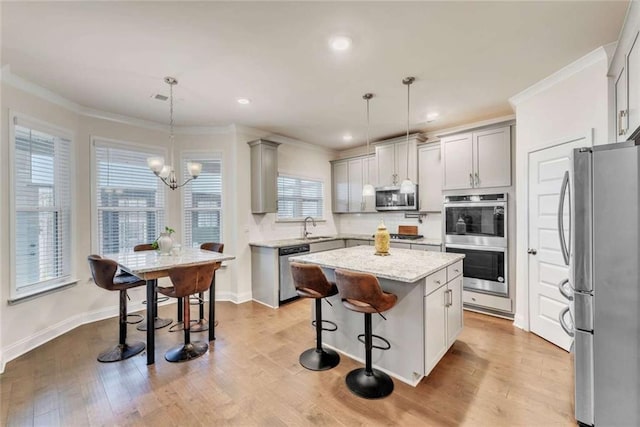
437 282
471 177
621 115
477 179
449 298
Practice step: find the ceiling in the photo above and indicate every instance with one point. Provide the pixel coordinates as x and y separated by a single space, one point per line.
468 59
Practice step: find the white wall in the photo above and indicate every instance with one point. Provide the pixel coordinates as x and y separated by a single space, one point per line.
568 103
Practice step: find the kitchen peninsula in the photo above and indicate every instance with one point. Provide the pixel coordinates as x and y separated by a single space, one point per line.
423 324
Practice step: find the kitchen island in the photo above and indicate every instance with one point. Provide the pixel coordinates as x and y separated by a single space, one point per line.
423 324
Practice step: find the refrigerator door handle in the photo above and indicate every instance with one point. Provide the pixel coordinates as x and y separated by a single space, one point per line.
563 289
563 242
565 327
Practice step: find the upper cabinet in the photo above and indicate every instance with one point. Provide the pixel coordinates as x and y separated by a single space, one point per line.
479 159
392 159
429 178
264 176
348 178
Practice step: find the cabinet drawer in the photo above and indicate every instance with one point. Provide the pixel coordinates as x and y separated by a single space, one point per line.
435 280
454 270
488 301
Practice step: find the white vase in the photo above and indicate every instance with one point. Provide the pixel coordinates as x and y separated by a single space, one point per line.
165 243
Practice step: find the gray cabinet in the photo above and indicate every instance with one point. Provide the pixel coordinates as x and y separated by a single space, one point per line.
424 247
357 242
348 178
391 160
429 178
264 176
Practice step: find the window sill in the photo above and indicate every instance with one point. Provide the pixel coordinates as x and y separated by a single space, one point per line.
299 220
28 296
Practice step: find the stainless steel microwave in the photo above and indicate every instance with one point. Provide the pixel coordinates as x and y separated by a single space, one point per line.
391 199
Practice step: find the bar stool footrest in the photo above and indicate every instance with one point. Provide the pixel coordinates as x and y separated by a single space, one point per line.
384 340
335 327
370 385
137 316
158 323
319 360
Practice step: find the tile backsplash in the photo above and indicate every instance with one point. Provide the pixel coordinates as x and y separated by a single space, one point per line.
367 223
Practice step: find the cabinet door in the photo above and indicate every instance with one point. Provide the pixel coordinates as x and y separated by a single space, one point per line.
633 83
353 242
429 179
405 155
355 185
385 162
454 311
435 318
621 105
421 247
372 178
492 154
457 162
341 187
400 245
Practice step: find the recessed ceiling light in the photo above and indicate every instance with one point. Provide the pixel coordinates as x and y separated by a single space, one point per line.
340 43
432 116
347 137
243 101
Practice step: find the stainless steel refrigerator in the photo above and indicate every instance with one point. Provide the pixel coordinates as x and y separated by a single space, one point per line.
603 252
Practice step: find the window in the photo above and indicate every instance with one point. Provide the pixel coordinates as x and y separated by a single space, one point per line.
202 201
299 198
41 207
129 198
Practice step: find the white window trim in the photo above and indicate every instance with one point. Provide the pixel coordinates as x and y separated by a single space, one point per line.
115 143
208 155
43 287
323 218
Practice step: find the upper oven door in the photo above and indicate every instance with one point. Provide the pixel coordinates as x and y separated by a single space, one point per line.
478 223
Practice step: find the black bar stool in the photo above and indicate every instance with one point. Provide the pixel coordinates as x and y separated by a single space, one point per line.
361 292
158 323
310 282
104 275
202 324
187 281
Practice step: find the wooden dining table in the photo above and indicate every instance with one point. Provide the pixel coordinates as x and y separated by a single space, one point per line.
151 265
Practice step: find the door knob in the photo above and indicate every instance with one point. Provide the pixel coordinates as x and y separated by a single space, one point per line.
532 251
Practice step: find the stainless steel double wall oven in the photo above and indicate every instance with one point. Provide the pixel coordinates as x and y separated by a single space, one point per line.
476 225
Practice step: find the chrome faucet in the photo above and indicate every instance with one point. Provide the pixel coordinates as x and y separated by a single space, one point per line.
306 233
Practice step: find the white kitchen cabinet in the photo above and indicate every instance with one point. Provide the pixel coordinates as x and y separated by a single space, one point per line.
479 159
357 242
429 178
633 85
400 245
424 247
621 106
391 160
443 313
349 176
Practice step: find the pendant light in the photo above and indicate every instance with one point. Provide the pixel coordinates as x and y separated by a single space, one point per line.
166 173
367 189
407 185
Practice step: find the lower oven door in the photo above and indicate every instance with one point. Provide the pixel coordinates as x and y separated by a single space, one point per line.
484 269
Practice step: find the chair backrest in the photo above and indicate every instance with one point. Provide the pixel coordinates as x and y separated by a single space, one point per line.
309 280
359 288
192 279
212 246
143 247
103 270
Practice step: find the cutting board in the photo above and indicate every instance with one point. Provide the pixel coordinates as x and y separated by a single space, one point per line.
408 229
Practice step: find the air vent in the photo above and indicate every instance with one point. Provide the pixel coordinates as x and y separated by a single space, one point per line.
160 97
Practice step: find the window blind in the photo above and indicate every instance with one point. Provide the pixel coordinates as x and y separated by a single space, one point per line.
202 202
42 201
299 198
130 199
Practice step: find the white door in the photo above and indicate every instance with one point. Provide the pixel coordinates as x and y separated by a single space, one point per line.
355 185
435 328
386 169
546 266
457 162
492 157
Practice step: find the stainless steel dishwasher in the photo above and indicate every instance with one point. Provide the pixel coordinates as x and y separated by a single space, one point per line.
287 289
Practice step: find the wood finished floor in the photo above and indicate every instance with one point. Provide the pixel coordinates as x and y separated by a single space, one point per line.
494 374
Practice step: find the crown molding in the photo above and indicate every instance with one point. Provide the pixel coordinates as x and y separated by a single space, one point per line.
255 133
575 67
20 83
503 120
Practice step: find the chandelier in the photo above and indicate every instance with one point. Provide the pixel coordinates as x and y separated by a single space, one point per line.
166 173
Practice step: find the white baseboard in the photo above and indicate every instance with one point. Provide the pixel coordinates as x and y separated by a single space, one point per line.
519 322
265 304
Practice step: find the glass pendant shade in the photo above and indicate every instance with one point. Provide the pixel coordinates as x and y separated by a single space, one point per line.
407 186
155 163
368 190
194 168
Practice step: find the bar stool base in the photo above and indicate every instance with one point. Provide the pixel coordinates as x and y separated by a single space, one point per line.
319 360
184 353
158 323
372 385
121 352
199 325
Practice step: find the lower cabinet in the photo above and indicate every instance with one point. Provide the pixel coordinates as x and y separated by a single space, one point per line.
355 242
442 317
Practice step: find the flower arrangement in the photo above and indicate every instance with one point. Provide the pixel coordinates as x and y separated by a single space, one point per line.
167 231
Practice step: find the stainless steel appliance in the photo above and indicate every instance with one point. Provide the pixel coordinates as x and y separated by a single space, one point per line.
287 288
391 199
603 252
479 220
476 225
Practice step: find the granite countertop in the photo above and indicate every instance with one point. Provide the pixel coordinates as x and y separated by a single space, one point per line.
148 261
299 241
402 265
